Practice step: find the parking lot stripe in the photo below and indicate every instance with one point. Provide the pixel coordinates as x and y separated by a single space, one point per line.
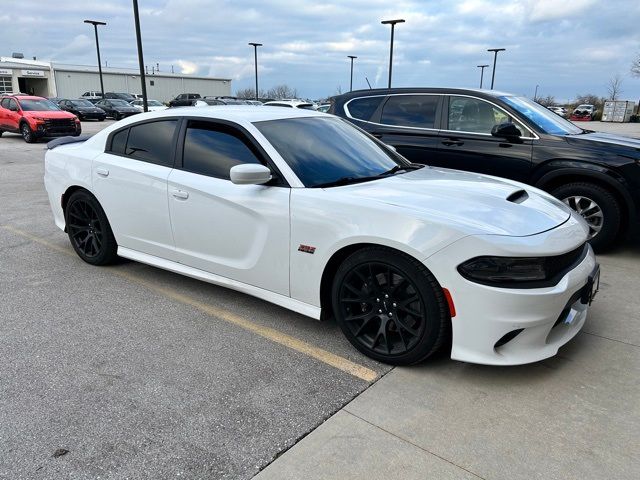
274 335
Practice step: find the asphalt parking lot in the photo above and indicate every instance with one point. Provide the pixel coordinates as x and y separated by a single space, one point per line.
136 372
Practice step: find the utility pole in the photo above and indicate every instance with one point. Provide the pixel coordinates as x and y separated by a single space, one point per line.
482 67
495 58
143 81
352 57
393 25
255 58
95 24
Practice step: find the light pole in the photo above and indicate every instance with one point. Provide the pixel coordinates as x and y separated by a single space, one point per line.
95 24
482 67
495 57
136 17
255 56
393 25
352 57
535 95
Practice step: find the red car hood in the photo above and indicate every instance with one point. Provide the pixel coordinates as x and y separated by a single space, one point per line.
49 114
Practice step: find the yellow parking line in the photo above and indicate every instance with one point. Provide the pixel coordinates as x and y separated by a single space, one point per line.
293 343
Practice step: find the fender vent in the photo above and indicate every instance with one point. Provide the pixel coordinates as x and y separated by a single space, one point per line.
518 196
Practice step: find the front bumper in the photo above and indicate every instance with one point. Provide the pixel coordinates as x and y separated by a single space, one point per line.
511 326
92 116
50 129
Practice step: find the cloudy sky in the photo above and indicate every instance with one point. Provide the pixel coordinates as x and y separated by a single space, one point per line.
566 47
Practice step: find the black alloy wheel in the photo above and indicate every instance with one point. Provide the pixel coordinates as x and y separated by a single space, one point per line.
27 133
390 307
89 230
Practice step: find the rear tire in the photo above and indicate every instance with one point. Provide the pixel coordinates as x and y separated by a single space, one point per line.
89 230
598 206
390 307
27 133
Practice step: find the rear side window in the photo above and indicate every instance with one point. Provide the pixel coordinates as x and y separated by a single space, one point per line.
4 103
151 142
363 108
212 150
119 142
410 111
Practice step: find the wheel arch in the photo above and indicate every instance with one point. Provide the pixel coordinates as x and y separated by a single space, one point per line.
66 195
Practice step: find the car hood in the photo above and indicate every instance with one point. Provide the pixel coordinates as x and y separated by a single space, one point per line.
49 114
604 138
480 203
126 109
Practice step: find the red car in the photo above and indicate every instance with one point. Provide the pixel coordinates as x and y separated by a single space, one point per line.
36 117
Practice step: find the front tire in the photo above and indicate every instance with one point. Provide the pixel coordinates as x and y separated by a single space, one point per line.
89 230
389 306
598 207
27 133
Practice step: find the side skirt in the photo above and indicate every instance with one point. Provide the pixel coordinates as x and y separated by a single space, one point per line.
281 300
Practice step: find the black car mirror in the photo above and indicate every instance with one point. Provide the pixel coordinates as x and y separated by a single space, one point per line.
506 130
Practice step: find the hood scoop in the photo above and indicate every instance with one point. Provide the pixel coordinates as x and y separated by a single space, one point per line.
518 196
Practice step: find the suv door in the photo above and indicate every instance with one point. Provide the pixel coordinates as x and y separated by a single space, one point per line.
130 181
13 115
409 122
240 232
466 142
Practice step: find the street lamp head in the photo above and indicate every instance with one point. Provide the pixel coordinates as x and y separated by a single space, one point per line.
255 44
496 49
95 22
482 66
392 22
351 56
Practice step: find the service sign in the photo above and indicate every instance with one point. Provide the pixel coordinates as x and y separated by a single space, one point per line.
32 73
5 71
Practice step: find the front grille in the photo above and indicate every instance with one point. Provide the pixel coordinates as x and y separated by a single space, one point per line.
60 125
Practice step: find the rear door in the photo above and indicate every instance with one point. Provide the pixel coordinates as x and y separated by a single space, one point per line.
239 232
130 181
466 142
409 122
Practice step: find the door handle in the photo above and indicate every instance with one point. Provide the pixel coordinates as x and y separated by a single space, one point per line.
103 172
452 143
180 194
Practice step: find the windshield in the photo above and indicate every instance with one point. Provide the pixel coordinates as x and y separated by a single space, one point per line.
118 103
349 154
38 105
82 103
541 116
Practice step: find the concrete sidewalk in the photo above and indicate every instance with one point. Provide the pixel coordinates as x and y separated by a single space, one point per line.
572 416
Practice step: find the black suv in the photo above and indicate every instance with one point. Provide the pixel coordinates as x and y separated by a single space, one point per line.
596 174
184 100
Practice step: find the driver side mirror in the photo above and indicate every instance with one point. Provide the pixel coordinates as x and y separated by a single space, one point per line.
250 174
506 130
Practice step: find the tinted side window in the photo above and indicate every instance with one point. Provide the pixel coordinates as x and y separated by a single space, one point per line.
410 111
363 108
4 103
152 142
213 149
119 142
468 114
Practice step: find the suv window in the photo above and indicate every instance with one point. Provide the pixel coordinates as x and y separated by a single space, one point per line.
4 103
149 142
212 150
13 105
410 111
467 114
363 108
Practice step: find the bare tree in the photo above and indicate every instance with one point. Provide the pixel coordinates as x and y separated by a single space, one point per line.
614 87
250 93
635 66
280 92
547 101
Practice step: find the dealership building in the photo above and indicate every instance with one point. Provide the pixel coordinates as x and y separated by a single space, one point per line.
48 79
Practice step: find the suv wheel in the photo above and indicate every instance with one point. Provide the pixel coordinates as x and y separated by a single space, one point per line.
598 207
389 306
27 133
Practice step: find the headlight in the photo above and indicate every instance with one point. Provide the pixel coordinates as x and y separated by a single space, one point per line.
522 272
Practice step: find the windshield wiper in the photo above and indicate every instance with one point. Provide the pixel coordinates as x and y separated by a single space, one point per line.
397 168
344 181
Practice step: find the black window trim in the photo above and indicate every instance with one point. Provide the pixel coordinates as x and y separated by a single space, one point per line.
278 179
109 142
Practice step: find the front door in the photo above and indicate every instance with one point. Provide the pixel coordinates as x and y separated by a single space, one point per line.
130 182
240 232
466 142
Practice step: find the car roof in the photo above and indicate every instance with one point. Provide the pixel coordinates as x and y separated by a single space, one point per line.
24 97
438 90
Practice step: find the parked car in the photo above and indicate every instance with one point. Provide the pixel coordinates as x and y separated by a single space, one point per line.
92 95
559 111
184 100
83 109
584 112
508 136
324 107
228 100
306 211
205 102
55 100
291 104
36 117
257 103
117 108
152 105
127 97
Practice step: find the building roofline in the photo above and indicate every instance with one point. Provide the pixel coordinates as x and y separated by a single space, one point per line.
62 67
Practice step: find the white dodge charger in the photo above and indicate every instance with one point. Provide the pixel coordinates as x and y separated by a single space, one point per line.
304 210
